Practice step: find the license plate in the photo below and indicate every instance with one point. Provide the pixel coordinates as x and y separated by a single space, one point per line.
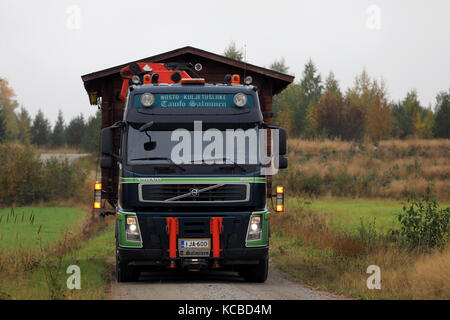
194 247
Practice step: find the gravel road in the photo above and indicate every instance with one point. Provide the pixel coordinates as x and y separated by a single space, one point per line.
71 157
214 286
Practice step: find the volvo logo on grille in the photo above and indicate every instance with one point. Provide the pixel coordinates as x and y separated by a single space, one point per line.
194 192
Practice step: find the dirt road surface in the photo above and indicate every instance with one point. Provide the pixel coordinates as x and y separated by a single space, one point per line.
214 286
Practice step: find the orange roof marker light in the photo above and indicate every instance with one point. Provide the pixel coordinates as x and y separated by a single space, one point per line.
235 79
147 79
192 81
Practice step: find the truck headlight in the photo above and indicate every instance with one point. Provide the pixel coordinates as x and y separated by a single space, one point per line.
147 99
240 99
254 228
132 229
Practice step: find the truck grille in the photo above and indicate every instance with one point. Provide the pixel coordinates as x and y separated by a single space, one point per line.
194 192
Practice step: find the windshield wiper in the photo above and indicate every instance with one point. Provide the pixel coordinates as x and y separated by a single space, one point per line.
146 126
224 159
160 158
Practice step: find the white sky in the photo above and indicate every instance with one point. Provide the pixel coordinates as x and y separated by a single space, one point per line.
43 53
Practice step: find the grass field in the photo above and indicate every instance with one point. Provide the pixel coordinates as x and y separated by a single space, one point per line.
34 259
322 243
392 169
21 228
345 215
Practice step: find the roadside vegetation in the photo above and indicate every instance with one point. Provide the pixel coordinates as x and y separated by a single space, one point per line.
46 224
39 272
331 249
391 169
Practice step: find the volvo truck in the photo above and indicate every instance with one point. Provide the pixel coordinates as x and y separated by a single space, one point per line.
192 183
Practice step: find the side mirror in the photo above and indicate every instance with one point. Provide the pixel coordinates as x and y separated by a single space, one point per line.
282 162
108 141
282 141
106 162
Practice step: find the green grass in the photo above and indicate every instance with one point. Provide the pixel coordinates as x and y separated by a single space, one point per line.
321 244
93 256
345 215
19 231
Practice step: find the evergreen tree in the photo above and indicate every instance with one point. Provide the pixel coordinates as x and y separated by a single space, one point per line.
406 114
232 51
40 130
24 121
331 84
441 128
311 91
75 131
284 105
91 139
325 117
279 66
58 134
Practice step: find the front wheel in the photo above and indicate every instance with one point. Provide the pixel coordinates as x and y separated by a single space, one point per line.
255 273
125 273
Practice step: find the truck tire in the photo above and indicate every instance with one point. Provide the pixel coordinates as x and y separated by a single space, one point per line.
125 273
256 273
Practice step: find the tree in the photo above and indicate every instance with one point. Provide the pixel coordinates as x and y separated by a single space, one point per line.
423 126
406 113
279 66
311 91
331 84
330 113
231 51
370 97
58 134
353 117
91 139
2 127
24 124
379 123
284 105
40 130
8 104
327 115
75 131
441 128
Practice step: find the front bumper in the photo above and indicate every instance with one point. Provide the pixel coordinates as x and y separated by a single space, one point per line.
157 257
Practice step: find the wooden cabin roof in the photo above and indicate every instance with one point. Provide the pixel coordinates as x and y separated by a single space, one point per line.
278 81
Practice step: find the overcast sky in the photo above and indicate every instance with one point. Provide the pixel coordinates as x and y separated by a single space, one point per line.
47 45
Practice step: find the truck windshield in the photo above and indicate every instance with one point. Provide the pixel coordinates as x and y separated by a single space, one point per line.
184 147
